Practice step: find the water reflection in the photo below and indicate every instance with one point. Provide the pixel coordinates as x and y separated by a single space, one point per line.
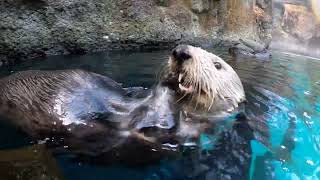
281 140
284 93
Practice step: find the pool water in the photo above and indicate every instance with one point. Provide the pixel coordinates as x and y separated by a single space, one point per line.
283 110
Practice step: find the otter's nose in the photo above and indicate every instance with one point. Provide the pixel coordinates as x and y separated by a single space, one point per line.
180 53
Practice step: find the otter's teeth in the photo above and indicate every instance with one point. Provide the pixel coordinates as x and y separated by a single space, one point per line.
180 77
183 88
186 89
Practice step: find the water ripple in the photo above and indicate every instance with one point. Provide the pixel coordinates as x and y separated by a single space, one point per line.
283 107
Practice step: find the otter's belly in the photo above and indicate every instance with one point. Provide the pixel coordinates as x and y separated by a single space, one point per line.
84 104
46 102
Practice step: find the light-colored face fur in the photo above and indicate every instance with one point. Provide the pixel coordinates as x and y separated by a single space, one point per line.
207 81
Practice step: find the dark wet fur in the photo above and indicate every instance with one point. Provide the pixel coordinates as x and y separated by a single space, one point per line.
102 143
27 100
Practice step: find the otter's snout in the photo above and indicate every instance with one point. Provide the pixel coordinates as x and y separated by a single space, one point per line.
181 53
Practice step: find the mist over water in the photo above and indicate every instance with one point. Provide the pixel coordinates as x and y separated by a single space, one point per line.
296 26
294 47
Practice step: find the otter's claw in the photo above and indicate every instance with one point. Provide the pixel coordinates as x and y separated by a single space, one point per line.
180 77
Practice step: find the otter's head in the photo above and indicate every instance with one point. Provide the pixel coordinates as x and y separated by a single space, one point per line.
202 80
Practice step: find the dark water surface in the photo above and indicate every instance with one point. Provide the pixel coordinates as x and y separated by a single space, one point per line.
283 104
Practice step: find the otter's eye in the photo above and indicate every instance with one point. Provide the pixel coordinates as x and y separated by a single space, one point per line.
217 65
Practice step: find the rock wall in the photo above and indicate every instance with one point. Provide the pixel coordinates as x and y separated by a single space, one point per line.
33 28
297 27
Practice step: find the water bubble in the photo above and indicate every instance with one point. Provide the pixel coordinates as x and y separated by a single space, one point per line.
282 160
305 114
170 145
309 122
43 141
292 115
310 162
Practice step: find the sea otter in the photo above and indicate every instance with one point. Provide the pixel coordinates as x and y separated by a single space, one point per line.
93 116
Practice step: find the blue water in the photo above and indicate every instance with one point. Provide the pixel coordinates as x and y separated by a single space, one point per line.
283 107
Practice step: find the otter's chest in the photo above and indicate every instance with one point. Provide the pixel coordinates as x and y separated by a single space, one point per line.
84 103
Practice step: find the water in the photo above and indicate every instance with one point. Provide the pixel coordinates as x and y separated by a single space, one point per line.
283 107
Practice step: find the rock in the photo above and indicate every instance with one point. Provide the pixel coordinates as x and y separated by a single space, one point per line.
3 60
298 21
40 28
249 48
240 47
164 3
314 42
255 46
200 6
263 4
264 21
